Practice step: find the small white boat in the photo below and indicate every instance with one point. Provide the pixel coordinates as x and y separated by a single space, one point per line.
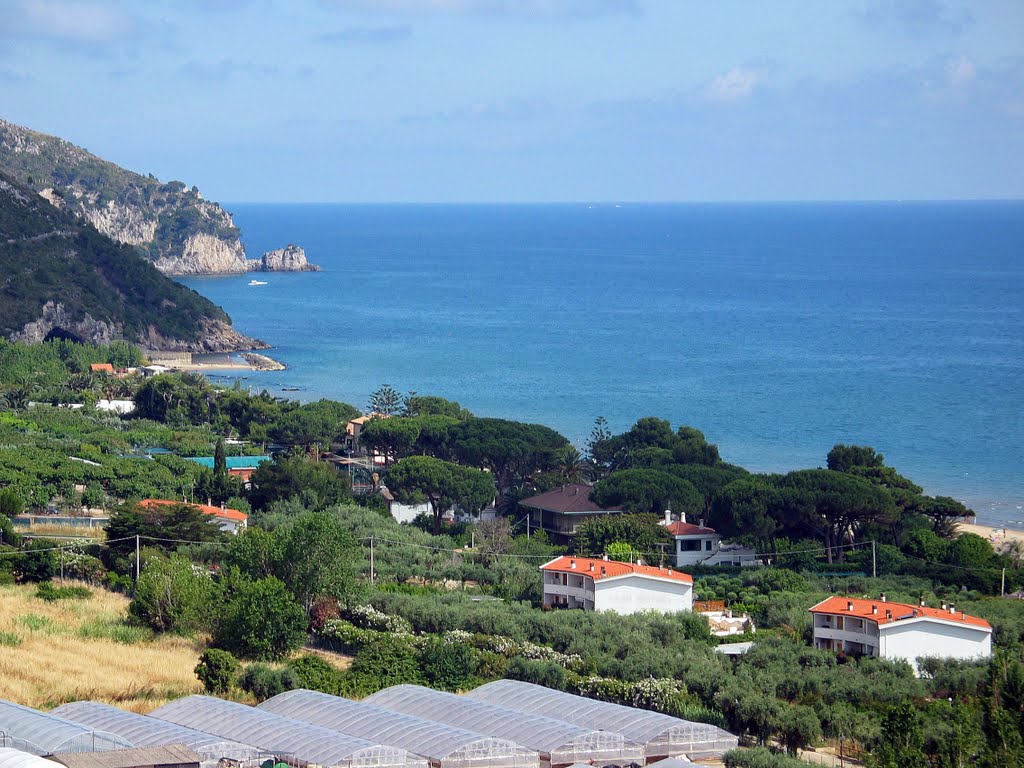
257 282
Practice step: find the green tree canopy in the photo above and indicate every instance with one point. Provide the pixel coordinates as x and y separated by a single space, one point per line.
419 479
173 596
641 532
647 490
393 437
316 484
260 620
511 450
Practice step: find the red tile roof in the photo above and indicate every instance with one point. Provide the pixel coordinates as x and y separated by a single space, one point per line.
227 514
599 569
862 609
679 528
101 368
568 499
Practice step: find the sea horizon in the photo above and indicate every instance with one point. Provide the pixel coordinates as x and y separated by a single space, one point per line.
779 329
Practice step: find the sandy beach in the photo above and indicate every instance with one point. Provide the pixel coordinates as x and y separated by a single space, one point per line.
997 536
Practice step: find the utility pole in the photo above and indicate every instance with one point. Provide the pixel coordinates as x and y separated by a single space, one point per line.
62 566
371 561
874 570
1002 588
136 558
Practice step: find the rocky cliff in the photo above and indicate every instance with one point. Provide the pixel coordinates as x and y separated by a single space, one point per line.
168 223
60 276
291 258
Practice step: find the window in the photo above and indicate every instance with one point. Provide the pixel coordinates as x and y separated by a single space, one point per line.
689 545
707 545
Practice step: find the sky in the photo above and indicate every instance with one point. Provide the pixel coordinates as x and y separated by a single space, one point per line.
531 100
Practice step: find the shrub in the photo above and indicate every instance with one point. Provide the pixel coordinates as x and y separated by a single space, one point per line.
449 666
172 595
261 621
264 682
388 661
50 593
216 670
315 673
760 757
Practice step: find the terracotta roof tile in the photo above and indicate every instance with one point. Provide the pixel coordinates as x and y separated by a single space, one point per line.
599 569
862 609
227 514
574 497
679 528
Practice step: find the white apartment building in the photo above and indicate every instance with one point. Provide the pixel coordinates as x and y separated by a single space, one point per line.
899 631
608 585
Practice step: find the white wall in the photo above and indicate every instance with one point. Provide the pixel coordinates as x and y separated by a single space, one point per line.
911 639
632 594
406 513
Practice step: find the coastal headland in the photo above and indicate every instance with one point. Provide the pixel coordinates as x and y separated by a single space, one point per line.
227 361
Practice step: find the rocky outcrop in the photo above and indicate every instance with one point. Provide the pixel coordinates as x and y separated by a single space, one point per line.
55 317
204 254
217 336
291 258
168 223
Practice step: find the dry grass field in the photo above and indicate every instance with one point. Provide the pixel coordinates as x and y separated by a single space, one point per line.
55 652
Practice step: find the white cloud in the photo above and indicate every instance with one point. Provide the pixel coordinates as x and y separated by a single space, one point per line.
74 21
960 72
735 85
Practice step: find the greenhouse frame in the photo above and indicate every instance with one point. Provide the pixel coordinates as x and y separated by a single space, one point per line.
294 738
663 735
144 731
560 743
15 758
42 734
444 745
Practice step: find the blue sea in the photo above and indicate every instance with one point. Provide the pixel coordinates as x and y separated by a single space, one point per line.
777 329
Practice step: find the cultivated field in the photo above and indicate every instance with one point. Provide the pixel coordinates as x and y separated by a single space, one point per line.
52 653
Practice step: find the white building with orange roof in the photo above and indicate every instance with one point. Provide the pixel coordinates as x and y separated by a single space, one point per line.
608 585
898 630
230 520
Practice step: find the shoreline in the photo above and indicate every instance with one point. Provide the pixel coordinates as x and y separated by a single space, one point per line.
998 537
250 361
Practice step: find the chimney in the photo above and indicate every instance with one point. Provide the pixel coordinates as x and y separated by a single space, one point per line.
702 522
884 598
682 517
572 564
604 558
944 606
591 567
952 610
874 610
963 615
604 571
668 517
849 605
921 602
888 613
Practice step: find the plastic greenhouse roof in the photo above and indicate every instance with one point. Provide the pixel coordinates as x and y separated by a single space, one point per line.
570 743
663 735
144 731
445 743
43 734
278 734
15 758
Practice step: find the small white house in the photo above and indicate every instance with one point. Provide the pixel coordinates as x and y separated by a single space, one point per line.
899 631
608 585
117 406
700 545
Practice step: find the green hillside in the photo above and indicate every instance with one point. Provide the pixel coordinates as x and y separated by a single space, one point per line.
59 273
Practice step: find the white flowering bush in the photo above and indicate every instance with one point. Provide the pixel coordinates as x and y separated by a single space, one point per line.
368 617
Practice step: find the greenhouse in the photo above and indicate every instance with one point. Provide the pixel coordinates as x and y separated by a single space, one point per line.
145 731
663 735
15 758
444 745
560 743
294 738
43 734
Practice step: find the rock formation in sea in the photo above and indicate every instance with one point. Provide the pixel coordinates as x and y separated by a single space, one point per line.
291 258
